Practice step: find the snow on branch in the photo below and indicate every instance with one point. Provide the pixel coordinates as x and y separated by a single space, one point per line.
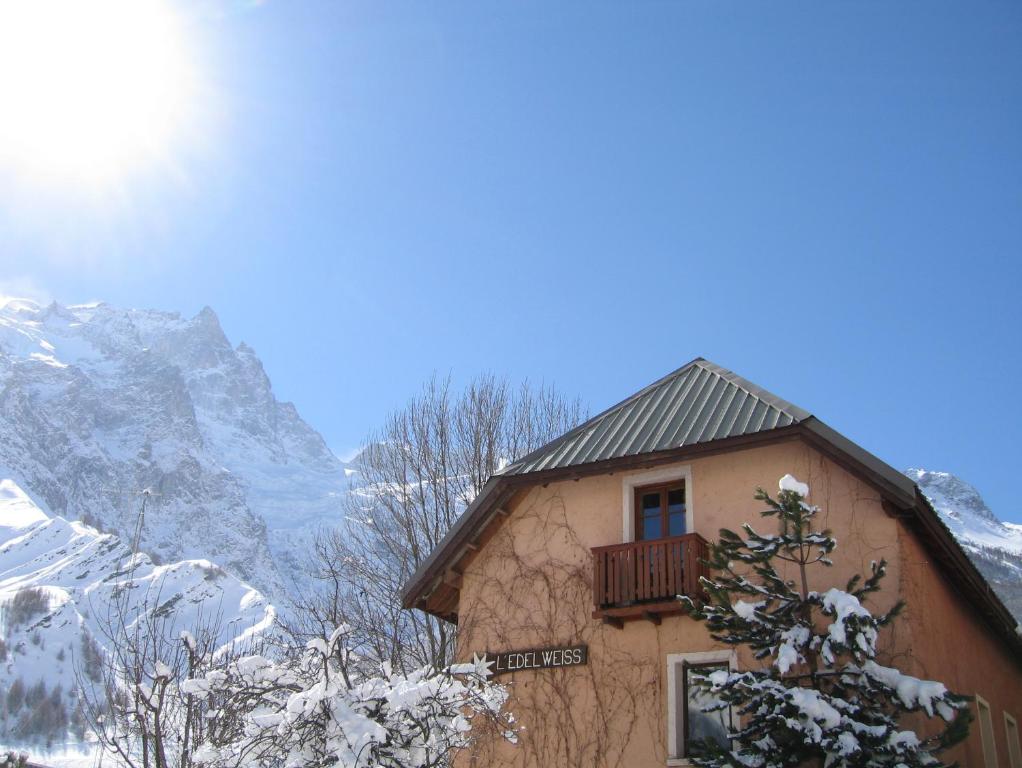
320 711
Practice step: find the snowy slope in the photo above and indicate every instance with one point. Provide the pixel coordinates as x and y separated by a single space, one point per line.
97 403
77 570
994 546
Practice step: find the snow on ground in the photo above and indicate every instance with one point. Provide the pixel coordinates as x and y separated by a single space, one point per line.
68 755
78 570
17 510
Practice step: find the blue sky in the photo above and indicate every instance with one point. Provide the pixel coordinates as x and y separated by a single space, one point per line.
824 197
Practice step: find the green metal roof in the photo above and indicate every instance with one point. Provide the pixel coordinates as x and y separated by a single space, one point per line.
697 403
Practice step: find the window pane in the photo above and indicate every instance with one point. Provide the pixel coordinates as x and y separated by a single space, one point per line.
703 725
651 518
676 512
676 499
650 504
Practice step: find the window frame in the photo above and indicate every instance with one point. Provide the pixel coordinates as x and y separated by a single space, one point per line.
677 736
1011 736
664 490
985 717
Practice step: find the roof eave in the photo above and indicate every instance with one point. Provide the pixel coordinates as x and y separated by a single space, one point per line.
457 537
895 486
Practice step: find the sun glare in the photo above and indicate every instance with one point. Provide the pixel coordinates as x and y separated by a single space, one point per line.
91 90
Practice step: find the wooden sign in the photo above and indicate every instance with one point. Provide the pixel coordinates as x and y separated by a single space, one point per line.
538 658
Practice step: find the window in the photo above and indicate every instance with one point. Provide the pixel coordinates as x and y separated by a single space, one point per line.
660 511
1011 734
674 476
687 723
700 725
986 731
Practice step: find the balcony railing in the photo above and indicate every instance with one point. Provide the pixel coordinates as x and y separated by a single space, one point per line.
643 578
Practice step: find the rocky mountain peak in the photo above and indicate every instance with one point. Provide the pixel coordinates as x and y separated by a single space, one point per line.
100 402
207 323
953 493
994 546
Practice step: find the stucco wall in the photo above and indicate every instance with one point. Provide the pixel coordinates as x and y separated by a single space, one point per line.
530 585
948 644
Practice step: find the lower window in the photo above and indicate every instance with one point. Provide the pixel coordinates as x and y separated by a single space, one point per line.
688 725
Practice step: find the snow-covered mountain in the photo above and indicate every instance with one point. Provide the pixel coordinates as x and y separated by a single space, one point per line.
98 403
994 546
58 582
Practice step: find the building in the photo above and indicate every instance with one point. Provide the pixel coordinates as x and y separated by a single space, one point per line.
545 558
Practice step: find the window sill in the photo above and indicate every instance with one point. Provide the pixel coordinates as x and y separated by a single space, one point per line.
673 761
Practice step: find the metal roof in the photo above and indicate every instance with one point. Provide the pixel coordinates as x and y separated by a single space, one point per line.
697 403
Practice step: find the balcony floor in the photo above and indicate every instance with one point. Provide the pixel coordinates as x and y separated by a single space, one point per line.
653 611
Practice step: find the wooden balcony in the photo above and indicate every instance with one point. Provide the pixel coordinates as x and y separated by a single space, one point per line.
641 579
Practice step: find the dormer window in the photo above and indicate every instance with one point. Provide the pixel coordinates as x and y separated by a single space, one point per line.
660 511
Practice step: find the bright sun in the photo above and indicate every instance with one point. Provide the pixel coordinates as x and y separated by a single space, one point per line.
91 89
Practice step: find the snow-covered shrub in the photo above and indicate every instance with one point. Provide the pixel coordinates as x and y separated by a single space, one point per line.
321 710
820 696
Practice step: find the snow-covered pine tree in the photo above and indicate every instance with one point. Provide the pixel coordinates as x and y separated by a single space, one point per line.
819 696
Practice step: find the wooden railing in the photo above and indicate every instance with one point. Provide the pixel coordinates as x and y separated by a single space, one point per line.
648 571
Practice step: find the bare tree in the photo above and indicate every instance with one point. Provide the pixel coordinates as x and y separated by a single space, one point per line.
415 477
129 682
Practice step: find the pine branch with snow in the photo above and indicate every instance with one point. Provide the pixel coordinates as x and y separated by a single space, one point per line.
819 695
